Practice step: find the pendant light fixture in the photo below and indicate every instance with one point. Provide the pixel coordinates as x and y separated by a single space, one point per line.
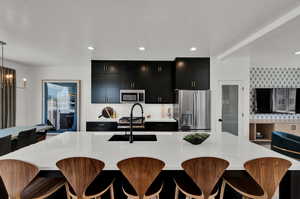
2 43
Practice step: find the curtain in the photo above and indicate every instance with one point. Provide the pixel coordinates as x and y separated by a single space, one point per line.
7 97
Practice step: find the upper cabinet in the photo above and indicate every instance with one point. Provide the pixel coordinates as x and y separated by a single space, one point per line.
106 82
192 73
159 88
157 78
134 75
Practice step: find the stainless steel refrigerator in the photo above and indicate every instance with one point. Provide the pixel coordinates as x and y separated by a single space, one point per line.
192 109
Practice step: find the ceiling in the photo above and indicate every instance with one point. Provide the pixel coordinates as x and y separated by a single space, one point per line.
278 47
58 32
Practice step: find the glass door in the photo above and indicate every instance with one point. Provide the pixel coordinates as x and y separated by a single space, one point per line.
61 105
230 107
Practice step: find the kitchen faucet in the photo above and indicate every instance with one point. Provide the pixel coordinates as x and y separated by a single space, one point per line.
131 118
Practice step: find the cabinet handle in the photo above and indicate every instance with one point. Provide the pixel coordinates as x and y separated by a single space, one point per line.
133 85
194 83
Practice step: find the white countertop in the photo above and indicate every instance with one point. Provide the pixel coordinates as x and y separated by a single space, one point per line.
170 148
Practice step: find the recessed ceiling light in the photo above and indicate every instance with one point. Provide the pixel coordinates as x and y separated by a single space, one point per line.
91 48
142 48
192 49
297 53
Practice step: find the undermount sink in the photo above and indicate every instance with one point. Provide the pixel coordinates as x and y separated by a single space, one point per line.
124 138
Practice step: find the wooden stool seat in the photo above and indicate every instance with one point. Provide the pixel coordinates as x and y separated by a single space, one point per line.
187 186
21 181
205 173
141 172
243 183
84 178
42 187
154 189
266 174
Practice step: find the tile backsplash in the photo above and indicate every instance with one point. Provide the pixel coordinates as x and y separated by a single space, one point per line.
273 77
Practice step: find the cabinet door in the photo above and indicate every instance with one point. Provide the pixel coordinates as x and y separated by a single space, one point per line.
134 74
113 83
192 73
200 70
142 74
160 89
106 88
182 74
287 128
98 89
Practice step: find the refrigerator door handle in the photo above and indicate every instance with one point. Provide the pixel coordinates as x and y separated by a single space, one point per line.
195 109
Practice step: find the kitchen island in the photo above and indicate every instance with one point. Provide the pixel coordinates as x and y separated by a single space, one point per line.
169 147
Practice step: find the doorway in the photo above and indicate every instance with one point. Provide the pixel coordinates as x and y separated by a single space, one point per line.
61 105
231 114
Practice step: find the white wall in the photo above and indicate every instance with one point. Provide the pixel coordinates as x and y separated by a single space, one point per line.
89 112
234 68
24 103
283 59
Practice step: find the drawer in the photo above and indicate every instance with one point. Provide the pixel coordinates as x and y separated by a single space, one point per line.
161 126
288 128
101 126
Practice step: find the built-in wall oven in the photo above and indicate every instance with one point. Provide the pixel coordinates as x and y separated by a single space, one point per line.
132 96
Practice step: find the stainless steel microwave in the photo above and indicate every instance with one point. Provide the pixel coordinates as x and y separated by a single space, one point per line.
132 96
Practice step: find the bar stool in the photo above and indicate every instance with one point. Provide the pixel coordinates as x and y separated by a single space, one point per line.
205 172
261 179
83 174
21 181
142 172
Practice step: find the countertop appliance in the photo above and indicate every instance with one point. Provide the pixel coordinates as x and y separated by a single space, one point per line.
192 109
132 96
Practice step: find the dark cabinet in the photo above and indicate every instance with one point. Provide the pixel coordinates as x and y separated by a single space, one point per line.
106 89
192 73
106 82
134 74
159 89
159 79
101 126
161 126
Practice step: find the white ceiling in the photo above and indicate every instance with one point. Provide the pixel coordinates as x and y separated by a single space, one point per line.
278 47
58 32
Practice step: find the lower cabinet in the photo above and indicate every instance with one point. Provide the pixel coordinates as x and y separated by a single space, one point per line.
149 126
292 128
265 129
101 126
161 126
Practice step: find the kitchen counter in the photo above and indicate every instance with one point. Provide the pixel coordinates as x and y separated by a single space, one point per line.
170 148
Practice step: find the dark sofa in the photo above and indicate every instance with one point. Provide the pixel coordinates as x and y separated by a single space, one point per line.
286 143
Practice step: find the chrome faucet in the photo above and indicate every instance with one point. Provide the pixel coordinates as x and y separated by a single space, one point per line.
131 118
